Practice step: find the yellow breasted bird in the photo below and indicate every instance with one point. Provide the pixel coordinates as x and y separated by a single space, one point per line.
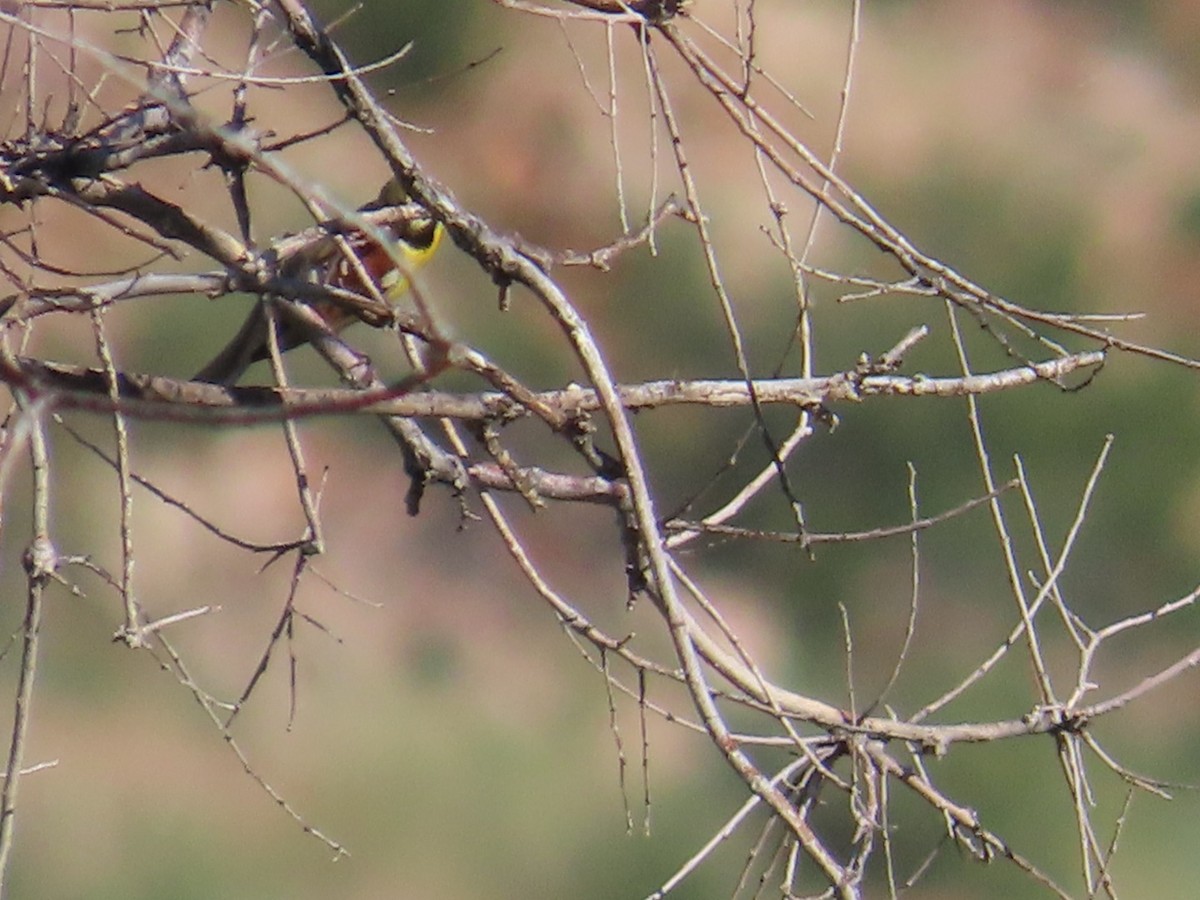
323 262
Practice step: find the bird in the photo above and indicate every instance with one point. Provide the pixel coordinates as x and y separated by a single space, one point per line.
416 240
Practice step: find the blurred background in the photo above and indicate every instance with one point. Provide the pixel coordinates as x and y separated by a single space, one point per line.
444 730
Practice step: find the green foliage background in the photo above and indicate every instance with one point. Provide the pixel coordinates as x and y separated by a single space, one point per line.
453 740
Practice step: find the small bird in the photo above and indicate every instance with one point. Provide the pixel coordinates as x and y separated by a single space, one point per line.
323 262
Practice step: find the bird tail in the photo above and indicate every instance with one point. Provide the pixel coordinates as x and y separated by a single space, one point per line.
245 348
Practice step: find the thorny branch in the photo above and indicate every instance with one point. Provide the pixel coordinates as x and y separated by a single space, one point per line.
840 752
